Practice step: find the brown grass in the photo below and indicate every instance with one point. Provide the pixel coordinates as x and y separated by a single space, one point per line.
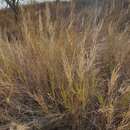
75 69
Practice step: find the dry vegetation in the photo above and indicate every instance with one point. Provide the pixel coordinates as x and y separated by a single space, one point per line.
67 74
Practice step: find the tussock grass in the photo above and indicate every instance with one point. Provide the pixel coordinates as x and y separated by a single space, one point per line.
77 66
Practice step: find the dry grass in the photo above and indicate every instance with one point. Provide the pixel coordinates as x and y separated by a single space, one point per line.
77 67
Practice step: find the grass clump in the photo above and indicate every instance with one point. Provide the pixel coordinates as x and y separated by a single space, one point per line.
74 69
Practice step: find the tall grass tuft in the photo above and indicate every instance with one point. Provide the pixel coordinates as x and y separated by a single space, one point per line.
77 66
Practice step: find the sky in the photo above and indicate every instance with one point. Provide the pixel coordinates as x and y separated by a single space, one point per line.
2 4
